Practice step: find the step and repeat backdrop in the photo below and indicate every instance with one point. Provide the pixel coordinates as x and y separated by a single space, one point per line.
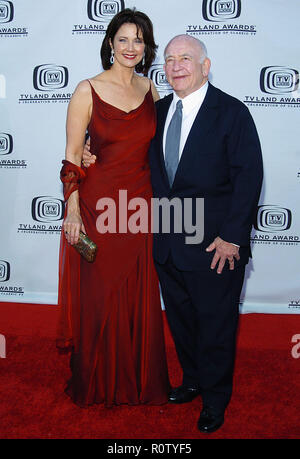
46 48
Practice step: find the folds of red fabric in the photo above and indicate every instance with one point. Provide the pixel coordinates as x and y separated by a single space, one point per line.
69 269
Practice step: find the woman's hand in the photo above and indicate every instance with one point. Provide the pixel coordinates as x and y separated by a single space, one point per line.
72 225
87 157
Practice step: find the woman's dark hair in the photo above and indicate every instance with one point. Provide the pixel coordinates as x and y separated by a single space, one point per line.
144 24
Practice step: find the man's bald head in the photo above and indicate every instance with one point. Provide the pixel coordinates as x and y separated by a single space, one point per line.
192 41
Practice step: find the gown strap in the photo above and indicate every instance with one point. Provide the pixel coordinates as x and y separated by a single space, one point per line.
90 84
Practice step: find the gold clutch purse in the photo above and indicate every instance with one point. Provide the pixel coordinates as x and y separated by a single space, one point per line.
86 247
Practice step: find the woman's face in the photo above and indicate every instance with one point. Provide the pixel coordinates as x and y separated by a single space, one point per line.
128 45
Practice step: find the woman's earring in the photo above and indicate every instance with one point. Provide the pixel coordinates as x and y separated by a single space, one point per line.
143 61
112 58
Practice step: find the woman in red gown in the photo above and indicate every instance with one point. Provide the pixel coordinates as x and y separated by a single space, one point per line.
110 309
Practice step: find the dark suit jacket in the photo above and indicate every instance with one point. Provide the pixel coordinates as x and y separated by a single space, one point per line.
222 163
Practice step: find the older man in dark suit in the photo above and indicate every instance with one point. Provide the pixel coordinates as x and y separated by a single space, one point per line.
206 146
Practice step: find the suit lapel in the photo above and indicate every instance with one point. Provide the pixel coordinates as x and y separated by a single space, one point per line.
205 118
161 120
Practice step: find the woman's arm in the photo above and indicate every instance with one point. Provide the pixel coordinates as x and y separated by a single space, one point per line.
78 117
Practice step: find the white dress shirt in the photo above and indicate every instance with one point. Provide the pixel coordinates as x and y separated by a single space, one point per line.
190 107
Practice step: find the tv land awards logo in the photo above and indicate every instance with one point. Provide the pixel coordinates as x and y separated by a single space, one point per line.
4 271
158 76
6 11
217 10
47 212
221 18
5 288
104 11
278 80
48 77
6 149
47 80
272 219
279 86
6 143
272 224
100 12
7 14
47 209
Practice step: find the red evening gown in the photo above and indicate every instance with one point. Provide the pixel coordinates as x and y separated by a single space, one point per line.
110 309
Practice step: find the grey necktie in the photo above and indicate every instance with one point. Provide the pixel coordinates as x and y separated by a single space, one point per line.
173 142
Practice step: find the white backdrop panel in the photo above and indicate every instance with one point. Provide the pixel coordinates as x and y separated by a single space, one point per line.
47 48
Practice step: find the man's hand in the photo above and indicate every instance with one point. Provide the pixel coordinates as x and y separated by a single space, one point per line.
87 157
224 251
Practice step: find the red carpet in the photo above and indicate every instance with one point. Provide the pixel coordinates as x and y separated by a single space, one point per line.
265 402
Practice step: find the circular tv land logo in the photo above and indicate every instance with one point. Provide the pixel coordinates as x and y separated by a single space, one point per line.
47 209
4 271
6 11
218 11
158 76
278 80
6 143
273 218
48 77
104 11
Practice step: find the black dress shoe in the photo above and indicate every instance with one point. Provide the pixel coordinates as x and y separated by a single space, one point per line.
183 394
210 420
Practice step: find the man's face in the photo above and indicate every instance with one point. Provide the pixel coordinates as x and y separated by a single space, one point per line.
183 69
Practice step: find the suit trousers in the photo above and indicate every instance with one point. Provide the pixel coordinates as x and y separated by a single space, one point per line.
202 309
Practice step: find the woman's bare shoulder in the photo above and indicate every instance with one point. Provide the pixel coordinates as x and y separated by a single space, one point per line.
155 94
82 94
143 81
147 84
84 86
